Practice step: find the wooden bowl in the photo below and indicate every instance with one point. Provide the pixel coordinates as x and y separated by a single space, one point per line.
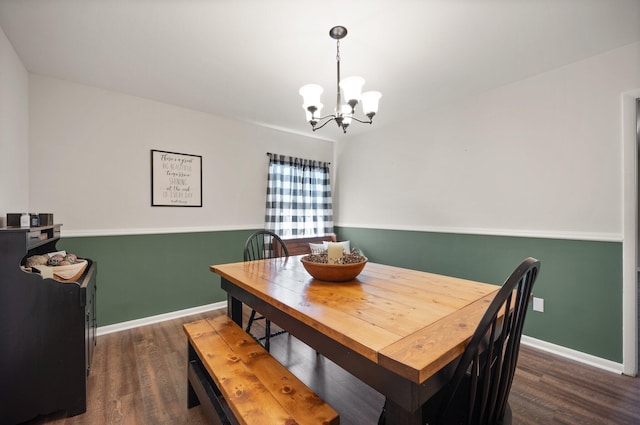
333 272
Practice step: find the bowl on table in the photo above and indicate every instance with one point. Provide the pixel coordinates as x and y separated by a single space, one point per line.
333 272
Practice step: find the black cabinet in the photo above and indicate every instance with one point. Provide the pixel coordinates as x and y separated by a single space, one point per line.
47 330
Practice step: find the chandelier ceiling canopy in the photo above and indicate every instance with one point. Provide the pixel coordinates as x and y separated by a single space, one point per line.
349 95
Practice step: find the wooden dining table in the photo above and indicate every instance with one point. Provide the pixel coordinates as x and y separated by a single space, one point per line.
398 330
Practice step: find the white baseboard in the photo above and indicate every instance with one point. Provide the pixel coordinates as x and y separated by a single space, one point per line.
570 354
117 327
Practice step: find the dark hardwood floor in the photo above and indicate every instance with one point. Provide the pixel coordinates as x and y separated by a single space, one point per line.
139 377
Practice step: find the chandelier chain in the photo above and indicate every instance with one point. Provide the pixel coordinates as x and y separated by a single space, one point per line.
338 94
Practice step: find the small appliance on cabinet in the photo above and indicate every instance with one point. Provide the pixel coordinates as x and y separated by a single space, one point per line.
47 328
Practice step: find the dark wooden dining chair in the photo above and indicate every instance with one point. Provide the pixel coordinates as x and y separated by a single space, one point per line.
478 391
261 245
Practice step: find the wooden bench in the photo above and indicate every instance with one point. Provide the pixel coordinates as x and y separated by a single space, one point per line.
300 246
238 382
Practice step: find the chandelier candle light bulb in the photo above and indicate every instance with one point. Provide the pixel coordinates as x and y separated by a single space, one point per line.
349 90
352 89
370 102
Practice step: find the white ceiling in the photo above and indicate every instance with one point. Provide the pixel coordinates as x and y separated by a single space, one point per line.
246 59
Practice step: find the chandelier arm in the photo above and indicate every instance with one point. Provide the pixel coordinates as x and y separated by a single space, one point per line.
331 118
363 122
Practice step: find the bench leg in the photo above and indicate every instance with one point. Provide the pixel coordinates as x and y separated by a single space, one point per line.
202 390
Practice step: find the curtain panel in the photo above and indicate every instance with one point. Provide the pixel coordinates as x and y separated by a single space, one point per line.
299 200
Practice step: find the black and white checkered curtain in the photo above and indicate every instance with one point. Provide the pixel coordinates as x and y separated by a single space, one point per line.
298 197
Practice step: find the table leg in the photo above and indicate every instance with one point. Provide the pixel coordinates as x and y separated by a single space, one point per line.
234 310
192 397
392 414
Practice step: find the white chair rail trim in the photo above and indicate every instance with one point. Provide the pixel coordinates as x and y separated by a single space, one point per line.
542 234
153 231
550 234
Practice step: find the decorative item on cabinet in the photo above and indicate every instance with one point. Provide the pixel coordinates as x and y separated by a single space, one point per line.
34 219
13 219
45 219
47 329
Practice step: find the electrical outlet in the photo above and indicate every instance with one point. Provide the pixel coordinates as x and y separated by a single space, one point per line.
538 304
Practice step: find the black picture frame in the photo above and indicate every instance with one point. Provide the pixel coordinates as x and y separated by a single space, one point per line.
176 179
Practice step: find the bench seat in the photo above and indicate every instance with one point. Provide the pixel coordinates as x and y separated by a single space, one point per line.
238 381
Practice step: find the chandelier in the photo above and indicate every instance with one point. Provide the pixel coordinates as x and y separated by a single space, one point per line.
346 101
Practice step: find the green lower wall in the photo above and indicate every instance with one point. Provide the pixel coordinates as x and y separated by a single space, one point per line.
580 281
145 275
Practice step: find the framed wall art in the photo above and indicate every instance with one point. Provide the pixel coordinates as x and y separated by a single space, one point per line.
176 179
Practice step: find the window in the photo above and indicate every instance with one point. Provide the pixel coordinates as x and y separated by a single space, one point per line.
298 197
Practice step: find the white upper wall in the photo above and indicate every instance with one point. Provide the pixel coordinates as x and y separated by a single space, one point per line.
14 132
542 156
90 161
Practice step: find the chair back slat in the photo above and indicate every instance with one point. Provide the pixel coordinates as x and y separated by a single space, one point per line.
260 245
